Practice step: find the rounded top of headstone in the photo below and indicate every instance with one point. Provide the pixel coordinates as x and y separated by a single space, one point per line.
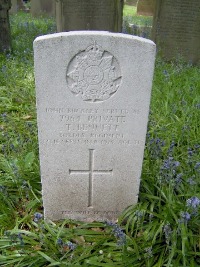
62 35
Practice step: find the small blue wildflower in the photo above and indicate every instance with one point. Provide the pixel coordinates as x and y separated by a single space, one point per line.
171 147
148 252
191 181
170 164
167 229
197 146
168 170
167 164
4 68
197 166
15 237
37 217
121 241
3 149
71 245
26 187
190 151
185 217
193 202
198 106
26 24
165 72
155 146
2 189
21 239
178 179
7 233
168 232
176 164
183 102
185 128
14 167
109 223
8 55
118 233
138 214
60 241
4 116
12 147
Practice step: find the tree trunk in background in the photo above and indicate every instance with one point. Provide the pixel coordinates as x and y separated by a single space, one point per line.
5 38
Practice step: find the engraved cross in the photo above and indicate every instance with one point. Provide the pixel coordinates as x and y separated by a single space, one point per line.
91 172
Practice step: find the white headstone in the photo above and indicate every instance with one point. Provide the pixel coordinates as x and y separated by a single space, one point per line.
93 94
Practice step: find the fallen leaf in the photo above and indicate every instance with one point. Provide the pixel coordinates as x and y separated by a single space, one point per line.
97 229
79 240
27 117
37 247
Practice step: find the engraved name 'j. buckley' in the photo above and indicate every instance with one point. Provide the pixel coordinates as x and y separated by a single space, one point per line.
93 74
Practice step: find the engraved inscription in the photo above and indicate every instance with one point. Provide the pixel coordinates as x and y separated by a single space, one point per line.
91 172
91 126
89 111
94 74
90 212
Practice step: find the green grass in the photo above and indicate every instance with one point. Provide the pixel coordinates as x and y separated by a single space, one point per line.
161 230
129 10
130 15
136 24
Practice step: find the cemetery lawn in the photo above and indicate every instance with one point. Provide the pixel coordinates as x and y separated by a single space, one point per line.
130 16
162 230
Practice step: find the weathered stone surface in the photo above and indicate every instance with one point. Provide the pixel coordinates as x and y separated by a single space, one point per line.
5 38
42 7
72 15
176 29
146 7
14 8
131 2
93 92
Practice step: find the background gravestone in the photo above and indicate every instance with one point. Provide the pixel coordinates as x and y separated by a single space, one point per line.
74 15
42 7
5 38
93 94
176 29
16 6
131 2
146 7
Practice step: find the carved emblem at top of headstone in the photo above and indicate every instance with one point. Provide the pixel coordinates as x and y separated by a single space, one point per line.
94 74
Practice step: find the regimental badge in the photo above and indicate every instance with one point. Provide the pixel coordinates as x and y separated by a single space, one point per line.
93 74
